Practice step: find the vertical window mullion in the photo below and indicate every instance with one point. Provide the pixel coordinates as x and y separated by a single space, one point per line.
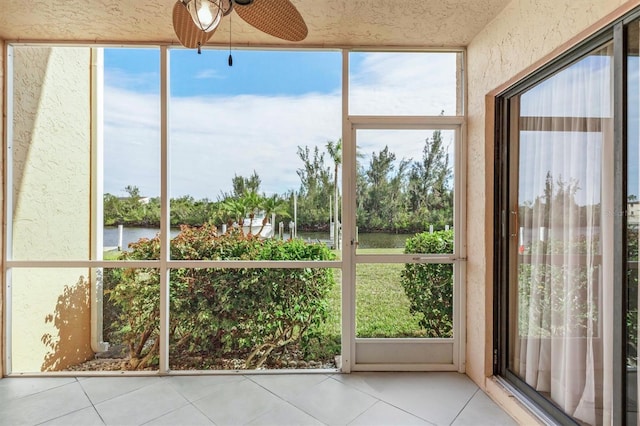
164 210
460 247
348 224
8 212
619 232
501 242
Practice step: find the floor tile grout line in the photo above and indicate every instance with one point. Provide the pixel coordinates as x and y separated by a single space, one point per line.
282 394
160 379
189 402
400 408
331 376
166 380
116 396
71 412
90 401
376 399
248 377
35 393
244 378
193 402
397 408
367 409
465 406
91 405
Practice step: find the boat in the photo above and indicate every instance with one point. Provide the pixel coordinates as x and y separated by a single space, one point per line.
254 226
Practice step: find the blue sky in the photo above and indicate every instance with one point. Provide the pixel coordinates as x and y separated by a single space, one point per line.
281 72
227 121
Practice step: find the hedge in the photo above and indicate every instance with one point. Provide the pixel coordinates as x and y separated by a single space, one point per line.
251 313
429 286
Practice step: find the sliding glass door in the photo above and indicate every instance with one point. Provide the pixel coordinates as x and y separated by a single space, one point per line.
558 258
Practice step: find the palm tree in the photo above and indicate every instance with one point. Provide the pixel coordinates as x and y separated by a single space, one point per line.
335 152
274 205
234 210
253 204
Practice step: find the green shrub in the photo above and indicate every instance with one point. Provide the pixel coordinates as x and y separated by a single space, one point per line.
215 312
429 286
110 313
550 287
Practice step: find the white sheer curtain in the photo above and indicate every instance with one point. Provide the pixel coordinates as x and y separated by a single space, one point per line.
560 343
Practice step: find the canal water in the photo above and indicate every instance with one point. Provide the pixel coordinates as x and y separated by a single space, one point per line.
375 240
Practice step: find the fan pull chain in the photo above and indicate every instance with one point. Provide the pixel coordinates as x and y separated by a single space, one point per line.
230 57
199 48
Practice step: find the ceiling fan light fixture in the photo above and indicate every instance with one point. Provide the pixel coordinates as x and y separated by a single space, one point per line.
206 14
195 21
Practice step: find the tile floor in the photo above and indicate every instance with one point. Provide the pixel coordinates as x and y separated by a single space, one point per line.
282 399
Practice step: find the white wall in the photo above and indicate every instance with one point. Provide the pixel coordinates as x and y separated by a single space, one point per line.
51 206
525 32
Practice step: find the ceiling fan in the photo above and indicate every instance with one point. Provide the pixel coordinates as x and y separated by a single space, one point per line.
195 21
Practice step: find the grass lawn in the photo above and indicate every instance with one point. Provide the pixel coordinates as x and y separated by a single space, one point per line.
382 308
110 254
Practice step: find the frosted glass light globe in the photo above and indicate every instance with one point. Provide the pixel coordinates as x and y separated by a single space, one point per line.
206 14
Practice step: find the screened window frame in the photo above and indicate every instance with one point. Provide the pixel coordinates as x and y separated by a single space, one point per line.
165 264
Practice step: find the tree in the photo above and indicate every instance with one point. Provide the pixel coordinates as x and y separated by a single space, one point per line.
131 209
241 184
112 210
315 188
253 204
232 210
133 191
382 192
181 210
430 194
274 205
557 200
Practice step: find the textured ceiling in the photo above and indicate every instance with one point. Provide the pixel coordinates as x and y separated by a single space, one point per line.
332 23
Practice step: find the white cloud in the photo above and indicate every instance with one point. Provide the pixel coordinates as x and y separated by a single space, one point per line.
404 84
219 137
208 74
141 81
214 138
131 141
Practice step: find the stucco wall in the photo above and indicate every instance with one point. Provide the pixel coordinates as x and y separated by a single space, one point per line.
525 32
50 326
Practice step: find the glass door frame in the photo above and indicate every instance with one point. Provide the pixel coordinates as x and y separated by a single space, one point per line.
505 180
351 345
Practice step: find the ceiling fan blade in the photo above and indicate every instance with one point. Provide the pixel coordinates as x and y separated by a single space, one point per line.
278 18
188 33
